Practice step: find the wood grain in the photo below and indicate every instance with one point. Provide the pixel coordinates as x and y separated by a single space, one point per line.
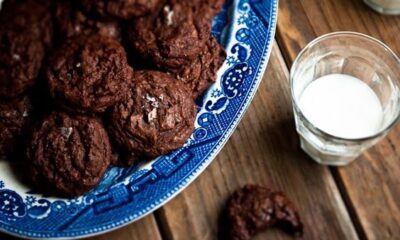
143 229
294 30
371 185
263 150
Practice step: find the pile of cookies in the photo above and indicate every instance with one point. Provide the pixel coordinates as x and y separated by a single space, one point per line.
93 83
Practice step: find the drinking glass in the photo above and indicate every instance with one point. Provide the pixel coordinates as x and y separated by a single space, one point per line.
389 7
357 55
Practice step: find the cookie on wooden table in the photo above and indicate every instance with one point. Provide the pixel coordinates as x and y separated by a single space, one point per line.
256 208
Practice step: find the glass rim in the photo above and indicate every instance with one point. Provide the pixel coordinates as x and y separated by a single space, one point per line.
311 44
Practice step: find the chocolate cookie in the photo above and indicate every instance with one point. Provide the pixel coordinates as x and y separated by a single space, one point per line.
157 116
123 9
29 17
89 73
25 34
209 7
68 154
202 72
15 116
254 208
172 37
215 5
71 21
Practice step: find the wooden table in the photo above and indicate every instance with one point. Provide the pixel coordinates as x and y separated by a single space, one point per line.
361 201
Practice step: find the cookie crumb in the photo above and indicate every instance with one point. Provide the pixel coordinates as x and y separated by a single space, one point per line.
25 114
78 65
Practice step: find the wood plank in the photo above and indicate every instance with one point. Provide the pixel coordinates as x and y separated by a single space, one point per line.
297 26
294 30
145 228
352 15
371 185
263 150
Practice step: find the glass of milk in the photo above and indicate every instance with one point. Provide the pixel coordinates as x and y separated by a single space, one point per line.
345 92
390 7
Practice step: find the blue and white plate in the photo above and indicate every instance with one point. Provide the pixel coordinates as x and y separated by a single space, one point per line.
246 29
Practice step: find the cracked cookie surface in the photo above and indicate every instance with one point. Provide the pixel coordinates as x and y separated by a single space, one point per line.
123 9
89 73
68 154
156 117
